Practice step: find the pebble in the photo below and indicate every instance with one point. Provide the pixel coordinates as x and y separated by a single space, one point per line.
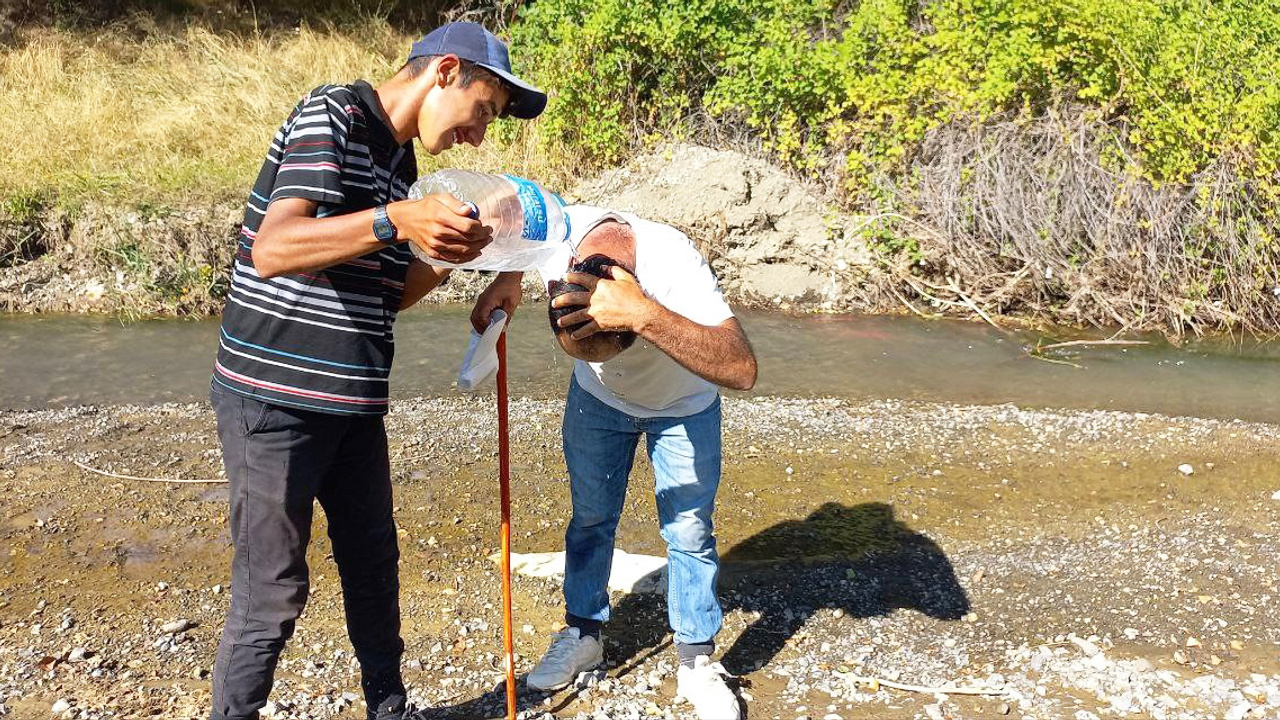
60 707
589 679
1186 469
1275 495
1086 647
177 626
1238 712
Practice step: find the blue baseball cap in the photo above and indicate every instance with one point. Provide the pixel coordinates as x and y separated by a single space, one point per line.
470 41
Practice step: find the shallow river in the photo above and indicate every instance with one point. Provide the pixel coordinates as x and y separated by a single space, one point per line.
53 361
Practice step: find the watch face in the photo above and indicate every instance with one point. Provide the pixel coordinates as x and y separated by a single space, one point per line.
382 227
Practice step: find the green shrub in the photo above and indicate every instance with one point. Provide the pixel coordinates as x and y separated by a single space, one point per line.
829 85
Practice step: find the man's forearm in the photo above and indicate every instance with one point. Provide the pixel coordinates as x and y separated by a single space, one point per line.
292 243
293 240
419 280
719 354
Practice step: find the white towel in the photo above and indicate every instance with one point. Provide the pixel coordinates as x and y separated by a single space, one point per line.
629 573
481 361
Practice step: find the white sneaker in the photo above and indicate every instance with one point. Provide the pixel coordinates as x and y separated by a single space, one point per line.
704 687
568 656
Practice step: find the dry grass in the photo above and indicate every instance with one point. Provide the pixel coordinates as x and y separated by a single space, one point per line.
138 115
1050 218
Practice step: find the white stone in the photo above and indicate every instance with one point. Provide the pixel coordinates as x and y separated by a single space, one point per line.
1086 647
1186 469
177 626
1238 711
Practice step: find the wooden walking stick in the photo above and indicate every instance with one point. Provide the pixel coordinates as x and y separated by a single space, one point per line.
504 481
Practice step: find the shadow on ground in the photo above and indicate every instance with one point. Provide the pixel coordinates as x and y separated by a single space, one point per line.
859 559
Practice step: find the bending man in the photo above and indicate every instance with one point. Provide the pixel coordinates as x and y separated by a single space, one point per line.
653 337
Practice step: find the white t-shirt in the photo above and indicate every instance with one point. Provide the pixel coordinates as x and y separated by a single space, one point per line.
642 380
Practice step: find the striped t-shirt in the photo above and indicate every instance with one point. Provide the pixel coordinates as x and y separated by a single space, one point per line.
321 341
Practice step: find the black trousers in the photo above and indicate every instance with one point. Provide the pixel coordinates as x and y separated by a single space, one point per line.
279 461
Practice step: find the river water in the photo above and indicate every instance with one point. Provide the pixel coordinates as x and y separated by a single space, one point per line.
59 361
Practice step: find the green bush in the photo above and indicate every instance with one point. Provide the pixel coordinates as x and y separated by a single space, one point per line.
855 87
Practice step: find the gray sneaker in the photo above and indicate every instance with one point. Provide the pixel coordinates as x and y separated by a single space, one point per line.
569 655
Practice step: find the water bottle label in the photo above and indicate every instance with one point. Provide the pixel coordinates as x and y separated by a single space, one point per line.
534 207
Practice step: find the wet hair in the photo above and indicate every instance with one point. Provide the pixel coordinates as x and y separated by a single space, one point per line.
605 340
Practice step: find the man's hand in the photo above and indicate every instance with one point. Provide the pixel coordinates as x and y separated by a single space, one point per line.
441 227
504 292
615 304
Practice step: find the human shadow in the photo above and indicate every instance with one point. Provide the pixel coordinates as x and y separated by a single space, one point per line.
859 559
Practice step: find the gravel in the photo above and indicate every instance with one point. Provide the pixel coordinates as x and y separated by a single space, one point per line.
1004 562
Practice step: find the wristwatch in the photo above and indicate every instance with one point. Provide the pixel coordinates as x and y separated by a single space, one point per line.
383 228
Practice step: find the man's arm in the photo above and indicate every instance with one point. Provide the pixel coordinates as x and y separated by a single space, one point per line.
719 354
293 240
420 279
716 353
503 292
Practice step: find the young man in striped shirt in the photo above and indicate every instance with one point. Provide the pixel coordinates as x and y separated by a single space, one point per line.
300 382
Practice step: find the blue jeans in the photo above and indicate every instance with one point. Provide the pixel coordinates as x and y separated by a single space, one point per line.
599 446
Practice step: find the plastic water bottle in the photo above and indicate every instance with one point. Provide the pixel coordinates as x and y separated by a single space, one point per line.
529 224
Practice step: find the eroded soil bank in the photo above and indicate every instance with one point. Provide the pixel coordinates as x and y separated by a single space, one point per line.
1059 563
773 241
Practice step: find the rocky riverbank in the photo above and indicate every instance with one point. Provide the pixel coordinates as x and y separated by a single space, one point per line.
994 561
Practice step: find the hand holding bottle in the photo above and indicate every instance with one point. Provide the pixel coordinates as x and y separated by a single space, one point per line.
440 227
527 223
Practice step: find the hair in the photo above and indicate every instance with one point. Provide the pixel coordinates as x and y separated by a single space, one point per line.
468 72
605 341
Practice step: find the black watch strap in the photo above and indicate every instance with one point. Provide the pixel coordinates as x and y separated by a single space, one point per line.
383 228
